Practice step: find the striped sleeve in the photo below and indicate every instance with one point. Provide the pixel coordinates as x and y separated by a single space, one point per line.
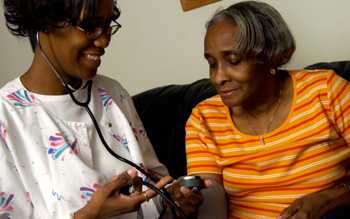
201 152
339 102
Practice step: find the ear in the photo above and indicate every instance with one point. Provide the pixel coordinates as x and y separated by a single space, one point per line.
63 24
287 55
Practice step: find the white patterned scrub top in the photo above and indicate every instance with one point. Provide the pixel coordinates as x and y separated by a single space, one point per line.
51 159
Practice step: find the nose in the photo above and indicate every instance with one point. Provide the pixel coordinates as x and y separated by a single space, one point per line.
219 75
103 40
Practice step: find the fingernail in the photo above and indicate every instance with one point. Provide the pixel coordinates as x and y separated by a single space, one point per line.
114 178
130 171
195 190
208 182
183 189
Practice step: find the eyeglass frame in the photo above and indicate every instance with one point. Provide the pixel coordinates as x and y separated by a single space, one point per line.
99 31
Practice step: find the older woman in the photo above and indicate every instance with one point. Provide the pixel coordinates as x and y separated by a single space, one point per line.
276 140
53 163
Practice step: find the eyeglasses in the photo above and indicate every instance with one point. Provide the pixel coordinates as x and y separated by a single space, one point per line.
93 29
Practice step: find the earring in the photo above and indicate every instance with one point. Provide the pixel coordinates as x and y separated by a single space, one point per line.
273 71
37 42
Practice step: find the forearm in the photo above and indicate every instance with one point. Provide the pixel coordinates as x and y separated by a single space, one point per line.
83 213
214 199
214 204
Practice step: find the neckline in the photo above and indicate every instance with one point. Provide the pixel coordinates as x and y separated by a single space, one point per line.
284 123
50 98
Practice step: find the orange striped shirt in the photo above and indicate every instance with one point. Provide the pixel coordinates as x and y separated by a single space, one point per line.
302 156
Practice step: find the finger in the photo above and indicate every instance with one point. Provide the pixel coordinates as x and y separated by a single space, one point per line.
297 215
137 184
132 173
185 191
190 198
103 192
149 193
207 183
190 193
160 184
289 212
117 183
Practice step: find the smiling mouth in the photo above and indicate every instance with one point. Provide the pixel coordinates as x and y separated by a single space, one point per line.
92 61
229 92
93 57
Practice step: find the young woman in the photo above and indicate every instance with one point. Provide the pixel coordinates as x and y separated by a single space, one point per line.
53 163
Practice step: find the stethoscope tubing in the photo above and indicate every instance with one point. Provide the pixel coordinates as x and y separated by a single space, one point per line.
162 192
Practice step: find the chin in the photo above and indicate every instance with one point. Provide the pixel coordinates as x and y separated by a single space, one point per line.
231 102
89 74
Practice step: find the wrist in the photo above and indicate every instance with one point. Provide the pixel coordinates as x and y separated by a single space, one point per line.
339 190
84 213
335 196
346 187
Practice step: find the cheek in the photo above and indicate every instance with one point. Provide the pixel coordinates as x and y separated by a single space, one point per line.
71 53
69 58
241 74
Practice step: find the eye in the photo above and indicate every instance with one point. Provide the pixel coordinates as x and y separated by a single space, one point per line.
92 23
233 59
212 63
89 25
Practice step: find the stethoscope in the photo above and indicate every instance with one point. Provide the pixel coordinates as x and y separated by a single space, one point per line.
85 104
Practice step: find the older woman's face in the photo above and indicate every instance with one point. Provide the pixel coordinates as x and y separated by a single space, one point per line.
236 80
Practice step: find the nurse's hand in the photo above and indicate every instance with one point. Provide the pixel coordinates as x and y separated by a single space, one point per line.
108 201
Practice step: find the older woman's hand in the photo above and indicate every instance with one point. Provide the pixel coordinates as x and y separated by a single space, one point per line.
315 205
108 200
308 207
185 198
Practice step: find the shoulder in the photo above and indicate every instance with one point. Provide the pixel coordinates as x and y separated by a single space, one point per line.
318 78
304 75
213 102
108 83
107 86
13 95
10 87
210 107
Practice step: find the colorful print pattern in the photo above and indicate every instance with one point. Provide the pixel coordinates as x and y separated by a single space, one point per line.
87 192
105 98
57 196
5 204
3 134
21 98
58 145
122 140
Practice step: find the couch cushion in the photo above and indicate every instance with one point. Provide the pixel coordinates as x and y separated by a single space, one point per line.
164 112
